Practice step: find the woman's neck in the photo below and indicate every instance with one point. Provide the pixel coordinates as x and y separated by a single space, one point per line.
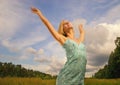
71 36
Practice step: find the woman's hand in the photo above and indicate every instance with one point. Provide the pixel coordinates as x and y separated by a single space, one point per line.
81 38
81 28
35 10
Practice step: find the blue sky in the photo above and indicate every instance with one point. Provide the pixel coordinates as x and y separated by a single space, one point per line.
25 40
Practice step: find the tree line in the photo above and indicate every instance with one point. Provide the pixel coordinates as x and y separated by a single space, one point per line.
11 70
112 69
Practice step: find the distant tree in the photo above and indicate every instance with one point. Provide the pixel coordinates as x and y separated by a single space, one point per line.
114 61
11 70
112 70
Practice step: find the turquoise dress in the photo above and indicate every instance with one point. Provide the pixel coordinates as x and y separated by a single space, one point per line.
74 69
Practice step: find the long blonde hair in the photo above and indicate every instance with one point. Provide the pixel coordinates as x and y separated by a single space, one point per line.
60 30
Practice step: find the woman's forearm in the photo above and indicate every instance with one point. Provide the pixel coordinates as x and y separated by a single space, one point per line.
48 25
82 32
46 22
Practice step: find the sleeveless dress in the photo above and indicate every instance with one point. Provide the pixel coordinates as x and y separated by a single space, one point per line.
74 69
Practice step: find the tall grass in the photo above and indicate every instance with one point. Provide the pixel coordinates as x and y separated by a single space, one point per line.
26 81
102 81
38 81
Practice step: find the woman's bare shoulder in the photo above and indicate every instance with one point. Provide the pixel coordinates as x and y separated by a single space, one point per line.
62 39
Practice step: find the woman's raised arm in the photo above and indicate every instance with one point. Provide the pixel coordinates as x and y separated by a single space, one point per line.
82 33
52 30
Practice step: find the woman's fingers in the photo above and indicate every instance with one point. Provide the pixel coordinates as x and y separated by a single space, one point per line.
34 10
81 26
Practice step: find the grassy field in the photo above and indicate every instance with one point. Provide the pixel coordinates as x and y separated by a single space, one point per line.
38 81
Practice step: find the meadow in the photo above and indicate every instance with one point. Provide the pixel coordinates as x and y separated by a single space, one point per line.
38 81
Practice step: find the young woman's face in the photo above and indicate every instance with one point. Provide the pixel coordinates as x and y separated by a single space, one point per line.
67 26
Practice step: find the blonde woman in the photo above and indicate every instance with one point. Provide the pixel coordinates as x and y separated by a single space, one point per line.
73 71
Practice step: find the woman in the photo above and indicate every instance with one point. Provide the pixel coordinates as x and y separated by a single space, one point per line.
73 71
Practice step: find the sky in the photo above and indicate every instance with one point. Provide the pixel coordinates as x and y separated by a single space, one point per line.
25 40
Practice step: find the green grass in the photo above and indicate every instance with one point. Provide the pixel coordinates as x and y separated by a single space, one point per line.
102 81
26 81
38 81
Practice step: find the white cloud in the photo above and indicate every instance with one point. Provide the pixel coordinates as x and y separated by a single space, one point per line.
40 67
90 70
100 43
20 44
33 51
40 51
23 57
30 50
42 59
55 61
13 58
12 16
55 66
54 48
47 64
114 29
10 46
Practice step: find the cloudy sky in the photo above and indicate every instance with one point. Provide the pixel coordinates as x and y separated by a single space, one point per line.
25 40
